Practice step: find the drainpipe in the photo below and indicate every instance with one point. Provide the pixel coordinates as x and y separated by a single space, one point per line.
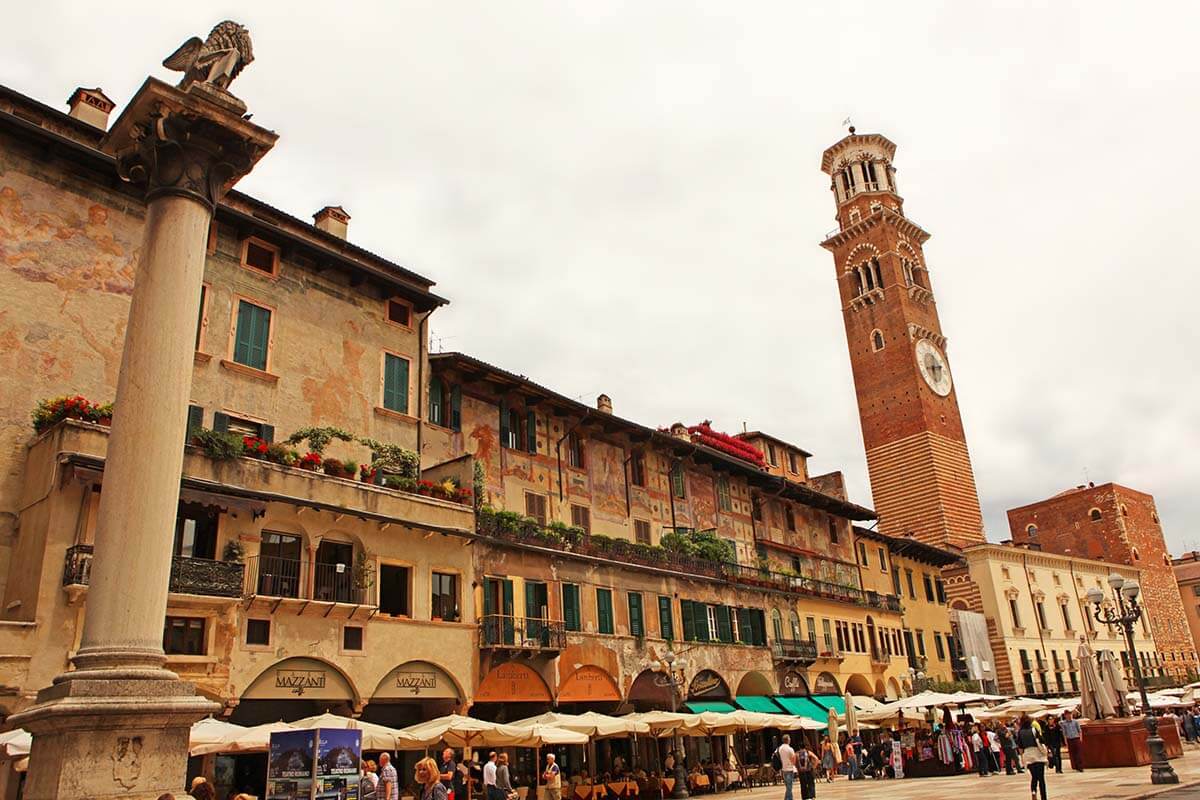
1036 618
422 409
628 495
558 450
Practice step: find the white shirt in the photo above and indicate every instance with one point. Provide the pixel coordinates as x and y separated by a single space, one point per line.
993 741
489 773
787 757
976 742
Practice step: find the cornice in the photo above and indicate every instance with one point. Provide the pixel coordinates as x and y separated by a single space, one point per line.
883 215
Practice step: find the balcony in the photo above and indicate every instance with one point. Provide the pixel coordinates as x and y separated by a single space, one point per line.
795 651
880 659
499 632
272 577
201 576
830 653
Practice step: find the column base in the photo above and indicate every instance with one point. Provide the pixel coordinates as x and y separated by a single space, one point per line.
108 738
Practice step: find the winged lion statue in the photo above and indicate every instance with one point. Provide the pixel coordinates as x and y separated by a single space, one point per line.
217 60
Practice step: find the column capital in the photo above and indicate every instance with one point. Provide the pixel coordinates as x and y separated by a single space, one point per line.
195 143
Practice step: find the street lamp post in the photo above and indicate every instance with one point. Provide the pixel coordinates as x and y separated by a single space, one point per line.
1126 613
917 678
670 673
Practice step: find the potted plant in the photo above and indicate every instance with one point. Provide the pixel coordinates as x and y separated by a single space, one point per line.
349 469
233 552
319 438
218 445
255 447
310 461
49 413
366 473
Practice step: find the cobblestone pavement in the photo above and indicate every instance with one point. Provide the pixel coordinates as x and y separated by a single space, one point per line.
1110 784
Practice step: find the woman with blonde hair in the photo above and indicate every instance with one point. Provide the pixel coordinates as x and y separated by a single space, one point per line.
429 780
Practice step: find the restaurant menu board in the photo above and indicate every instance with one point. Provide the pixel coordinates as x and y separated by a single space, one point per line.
290 765
339 754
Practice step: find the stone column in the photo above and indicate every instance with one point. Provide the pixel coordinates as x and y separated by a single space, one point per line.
118 724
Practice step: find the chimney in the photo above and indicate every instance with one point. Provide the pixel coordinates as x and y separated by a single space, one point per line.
604 404
680 431
333 219
91 106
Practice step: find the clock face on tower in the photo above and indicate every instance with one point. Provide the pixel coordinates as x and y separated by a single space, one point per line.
933 367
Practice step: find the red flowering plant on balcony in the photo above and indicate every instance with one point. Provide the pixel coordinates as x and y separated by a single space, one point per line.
255 447
54 410
425 487
366 473
730 445
464 495
310 461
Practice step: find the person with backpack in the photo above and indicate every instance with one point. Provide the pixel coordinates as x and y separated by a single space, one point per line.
806 765
1034 753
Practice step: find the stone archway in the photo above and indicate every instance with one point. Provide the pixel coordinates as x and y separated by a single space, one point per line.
755 684
893 689
880 690
859 685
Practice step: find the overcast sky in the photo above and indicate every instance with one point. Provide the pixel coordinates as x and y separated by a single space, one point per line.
627 198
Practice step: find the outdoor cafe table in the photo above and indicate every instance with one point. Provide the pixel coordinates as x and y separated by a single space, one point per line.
699 781
586 791
624 788
669 784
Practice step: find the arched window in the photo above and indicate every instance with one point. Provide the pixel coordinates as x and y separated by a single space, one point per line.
878 272
919 277
1095 515
795 620
1124 510
907 267
1136 555
868 168
1031 531
877 341
776 624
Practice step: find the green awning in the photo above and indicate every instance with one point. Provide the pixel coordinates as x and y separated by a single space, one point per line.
698 706
802 707
835 701
757 702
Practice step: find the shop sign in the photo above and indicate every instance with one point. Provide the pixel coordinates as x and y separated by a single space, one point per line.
793 683
417 680
707 684
587 684
512 682
826 684
298 681
299 678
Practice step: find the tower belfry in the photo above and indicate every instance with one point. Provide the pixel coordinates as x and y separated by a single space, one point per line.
921 477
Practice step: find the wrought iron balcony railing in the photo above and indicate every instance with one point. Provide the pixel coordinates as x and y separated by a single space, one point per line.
795 650
497 631
300 579
202 576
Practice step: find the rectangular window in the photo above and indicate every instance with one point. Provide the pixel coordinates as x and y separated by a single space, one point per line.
570 601
260 256
399 312
811 624
445 404
724 501
196 531
252 335
862 554
833 531
445 597
604 611
242 427
666 622
827 631
882 559
637 469
908 577
641 531
352 637
1016 614
395 383
940 587
581 517
678 486
575 451
793 467
258 632
395 587
896 581
1041 614
789 518
724 623
637 626
535 506
772 458
1066 615
920 636
939 647
756 508
928 587
183 636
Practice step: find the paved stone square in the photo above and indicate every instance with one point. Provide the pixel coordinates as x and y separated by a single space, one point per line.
1126 782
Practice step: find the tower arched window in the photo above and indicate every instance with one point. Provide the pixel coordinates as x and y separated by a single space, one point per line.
877 341
907 267
919 277
878 272
848 180
1095 515
868 275
1031 531
868 168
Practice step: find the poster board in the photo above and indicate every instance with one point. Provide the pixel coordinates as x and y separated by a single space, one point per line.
290 765
339 755
305 765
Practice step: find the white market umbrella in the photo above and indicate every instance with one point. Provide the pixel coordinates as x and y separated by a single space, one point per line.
374 737
851 715
210 731
15 743
459 731
249 740
667 723
592 724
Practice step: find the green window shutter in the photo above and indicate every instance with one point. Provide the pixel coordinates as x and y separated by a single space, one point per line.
636 625
745 625
604 611
504 432
200 316
436 409
700 619
531 431
570 593
724 628
689 624
195 420
758 627
489 598
456 409
252 335
666 625
220 422
395 383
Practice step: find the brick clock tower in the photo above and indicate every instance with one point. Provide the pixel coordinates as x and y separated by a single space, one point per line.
921 477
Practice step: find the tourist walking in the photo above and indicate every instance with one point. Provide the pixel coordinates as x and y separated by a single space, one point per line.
1009 748
828 760
429 779
1074 737
1034 753
1054 742
851 759
490 792
503 780
552 777
451 776
389 782
806 765
993 750
369 781
979 747
787 765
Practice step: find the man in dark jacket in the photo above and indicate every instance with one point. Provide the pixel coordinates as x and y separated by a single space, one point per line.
1054 742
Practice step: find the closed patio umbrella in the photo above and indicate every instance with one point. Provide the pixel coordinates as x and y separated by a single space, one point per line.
1095 702
1110 674
833 724
851 716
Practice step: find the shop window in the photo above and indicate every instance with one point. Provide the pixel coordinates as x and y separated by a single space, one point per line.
399 312
183 636
395 585
575 451
196 531
724 501
641 531
637 468
260 256
445 404
352 638
395 383
258 632
581 517
444 604
252 335
666 621
535 506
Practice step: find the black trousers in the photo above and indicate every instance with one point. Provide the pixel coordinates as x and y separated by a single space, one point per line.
1037 778
1056 759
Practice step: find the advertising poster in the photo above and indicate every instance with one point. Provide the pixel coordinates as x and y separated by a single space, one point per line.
290 765
339 754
